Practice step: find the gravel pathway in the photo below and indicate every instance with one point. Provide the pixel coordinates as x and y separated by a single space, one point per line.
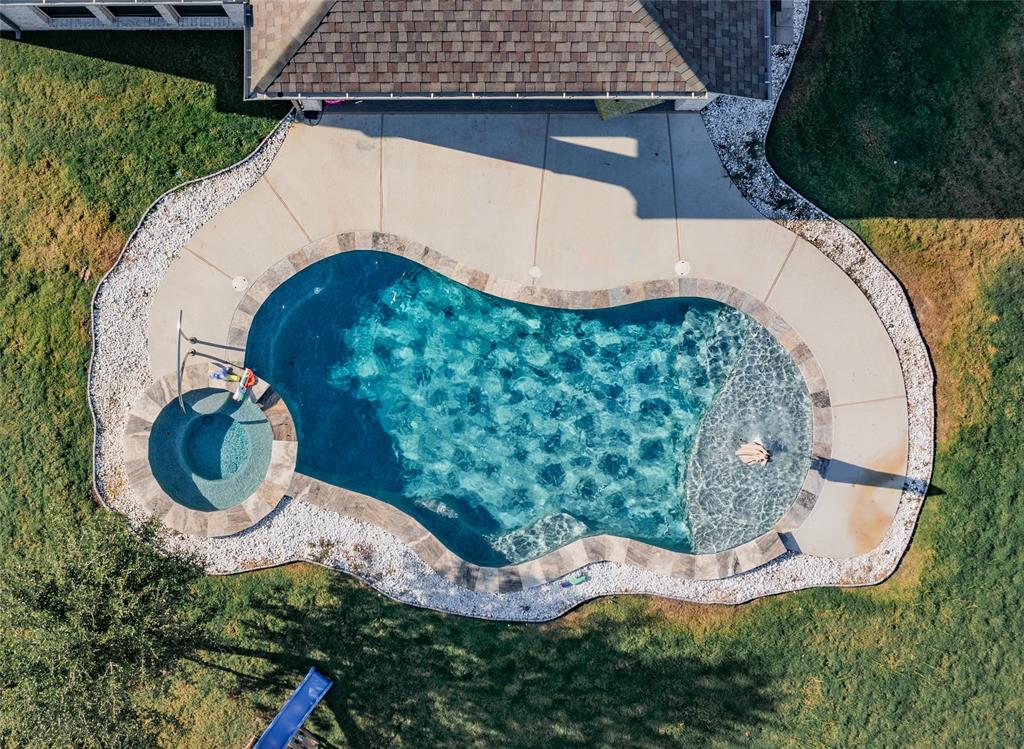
119 370
299 531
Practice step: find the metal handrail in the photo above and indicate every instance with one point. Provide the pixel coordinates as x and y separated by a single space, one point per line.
181 364
193 352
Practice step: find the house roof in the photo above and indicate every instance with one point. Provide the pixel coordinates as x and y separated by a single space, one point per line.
724 41
507 47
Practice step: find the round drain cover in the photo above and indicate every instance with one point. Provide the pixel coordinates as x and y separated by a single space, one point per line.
239 283
682 268
535 271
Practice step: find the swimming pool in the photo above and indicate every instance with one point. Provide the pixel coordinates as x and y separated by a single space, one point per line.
213 454
509 429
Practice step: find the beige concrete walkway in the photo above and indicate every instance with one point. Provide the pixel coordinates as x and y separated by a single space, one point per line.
595 205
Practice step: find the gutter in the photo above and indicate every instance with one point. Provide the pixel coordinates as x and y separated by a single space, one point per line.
564 96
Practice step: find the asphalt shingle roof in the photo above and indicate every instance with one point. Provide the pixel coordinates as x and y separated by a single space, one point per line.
722 40
458 47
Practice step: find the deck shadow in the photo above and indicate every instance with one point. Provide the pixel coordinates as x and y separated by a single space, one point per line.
841 472
559 144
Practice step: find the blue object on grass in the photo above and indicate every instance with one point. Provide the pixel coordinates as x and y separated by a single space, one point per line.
296 710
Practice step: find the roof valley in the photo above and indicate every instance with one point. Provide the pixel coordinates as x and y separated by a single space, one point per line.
503 47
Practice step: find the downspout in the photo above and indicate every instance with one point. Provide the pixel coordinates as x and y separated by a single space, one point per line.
247 52
768 48
6 24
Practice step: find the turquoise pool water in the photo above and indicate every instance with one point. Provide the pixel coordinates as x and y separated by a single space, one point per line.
507 429
214 454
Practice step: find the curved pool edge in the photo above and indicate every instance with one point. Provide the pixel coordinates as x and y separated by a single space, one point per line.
214 523
734 120
770 545
301 533
547 568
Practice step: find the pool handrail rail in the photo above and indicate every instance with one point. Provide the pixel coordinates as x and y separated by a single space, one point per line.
181 364
295 711
192 352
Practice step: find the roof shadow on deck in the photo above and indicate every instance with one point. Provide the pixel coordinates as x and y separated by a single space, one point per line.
668 165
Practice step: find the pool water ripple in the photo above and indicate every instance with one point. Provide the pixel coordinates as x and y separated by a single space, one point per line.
213 454
507 429
764 400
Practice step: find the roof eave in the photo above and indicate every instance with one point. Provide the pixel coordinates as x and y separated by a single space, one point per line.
469 95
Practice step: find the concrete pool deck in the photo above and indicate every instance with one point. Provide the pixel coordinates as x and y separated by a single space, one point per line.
595 205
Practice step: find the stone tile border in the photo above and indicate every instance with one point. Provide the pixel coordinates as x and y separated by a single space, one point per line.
738 129
303 532
581 552
214 523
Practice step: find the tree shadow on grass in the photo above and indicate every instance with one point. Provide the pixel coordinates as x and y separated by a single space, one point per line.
213 57
404 676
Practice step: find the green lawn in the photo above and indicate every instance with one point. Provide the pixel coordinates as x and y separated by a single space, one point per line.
903 119
85 146
930 659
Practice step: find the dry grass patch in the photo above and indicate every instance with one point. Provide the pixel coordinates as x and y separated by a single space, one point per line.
698 619
904 584
47 216
205 718
944 263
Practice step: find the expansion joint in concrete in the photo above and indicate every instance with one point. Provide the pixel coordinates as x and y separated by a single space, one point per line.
540 194
675 190
778 274
287 209
203 260
380 175
899 396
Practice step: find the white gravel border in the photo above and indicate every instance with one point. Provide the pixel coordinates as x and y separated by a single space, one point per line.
119 370
297 531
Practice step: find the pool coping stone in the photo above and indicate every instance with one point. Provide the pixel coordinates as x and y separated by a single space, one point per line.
579 553
215 523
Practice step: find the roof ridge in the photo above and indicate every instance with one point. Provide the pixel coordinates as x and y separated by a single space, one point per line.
313 15
420 47
666 40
